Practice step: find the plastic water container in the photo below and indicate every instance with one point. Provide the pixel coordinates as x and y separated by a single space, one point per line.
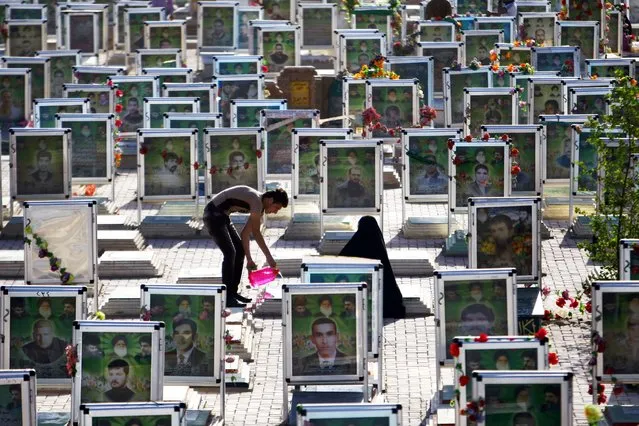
263 276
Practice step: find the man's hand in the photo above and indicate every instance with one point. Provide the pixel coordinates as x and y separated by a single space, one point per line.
251 266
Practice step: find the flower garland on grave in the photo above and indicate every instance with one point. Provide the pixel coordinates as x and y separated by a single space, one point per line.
144 149
118 108
55 263
71 352
609 9
598 346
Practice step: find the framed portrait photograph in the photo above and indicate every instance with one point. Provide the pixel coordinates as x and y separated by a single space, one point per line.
194 326
471 302
248 112
445 55
25 37
356 50
373 18
25 11
278 10
38 327
135 89
415 67
170 75
306 159
436 31
83 31
589 100
113 363
509 54
18 395
489 106
39 163
351 176
505 234
533 6
91 147
158 58
166 35
349 414
236 64
629 259
56 222
44 110
155 413
233 87
134 19
245 14
544 97
455 81
280 47
614 33
311 335
40 73
530 397
231 158
204 91
354 103
478 169
396 101
425 160
15 99
318 22
497 353
607 68
65 10
119 10
505 23
100 96
83 74
277 138
528 140
478 44
584 34
565 61
254 28
539 27
165 169
471 7
569 83
61 63
216 24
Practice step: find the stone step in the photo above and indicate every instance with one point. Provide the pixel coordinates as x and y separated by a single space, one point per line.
421 227
12 264
200 276
129 264
118 222
122 240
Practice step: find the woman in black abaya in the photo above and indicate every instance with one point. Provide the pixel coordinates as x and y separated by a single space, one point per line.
368 242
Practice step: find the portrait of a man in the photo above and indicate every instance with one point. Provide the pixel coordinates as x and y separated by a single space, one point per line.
621 330
118 373
433 179
233 161
45 348
132 120
521 404
166 166
186 359
351 192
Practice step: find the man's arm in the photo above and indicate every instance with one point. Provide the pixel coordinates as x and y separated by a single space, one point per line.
253 227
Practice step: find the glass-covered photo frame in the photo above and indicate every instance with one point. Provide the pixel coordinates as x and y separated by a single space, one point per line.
194 326
373 18
25 37
231 158
455 81
471 302
504 233
547 396
83 31
91 147
489 106
25 11
101 96
204 91
478 169
119 10
18 390
318 22
279 10
397 102
231 87
66 10
445 55
425 159
248 112
545 97
256 25
278 140
533 6
584 34
529 140
353 103
279 46
539 27
351 176
471 8
83 74
415 67
304 335
356 50
58 223
216 24
436 31
110 366
236 64
478 44
628 259
44 110
170 75
61 63
40 164
134 19
134 414
565 61
509 54
589 100
38 326
306 159
245 14
135 89
568 84
497 353
607 68
40 73
165 163
158 58
505 23
15 99
614 32
166 35
350 414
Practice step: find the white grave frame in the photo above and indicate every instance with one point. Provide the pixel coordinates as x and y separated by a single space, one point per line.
219 60
626 249
575 92
579 24
426 86
40 24
202 5
492 21
118 18
490 93
570 83
617 18
84 103
54 56
255 25
150 26
160 15
10 7
141 53
68 89
135 79
309 412
510 48
302 8
533 104
295 29
149 103
95 411
449 100
481 35
576 58
436 24
26 381
523 17
276 104
246 79
97 48
351 120
106 71
374 10
348 38
532 5
26 74
86 8
197 88
382 83
433 49
241 10
615 63
31 62
163 73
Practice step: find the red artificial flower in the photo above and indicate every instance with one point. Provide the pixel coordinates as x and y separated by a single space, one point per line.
109 83
468 138
457 160
486 136
514 152
228 339
553 359
541 333
118 123
565 294
213 170
601 346
391 132
589 307
561 302
164 153
547 315
617 389
451 143
258 153
264 68
483 338
574 303
196 165
463 380
119 93
143 150
454 350
545 291
601 399
515 170
119 139
505 137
